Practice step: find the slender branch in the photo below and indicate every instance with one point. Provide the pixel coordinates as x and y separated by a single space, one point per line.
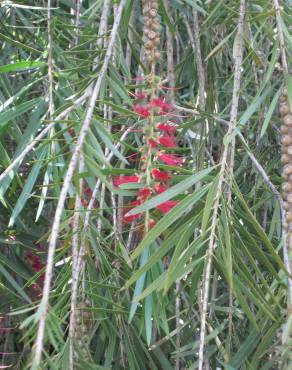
281 36
68 177
200 68
90 207
75 274
42 134
50 61
170 67
286 240
212 240
77 20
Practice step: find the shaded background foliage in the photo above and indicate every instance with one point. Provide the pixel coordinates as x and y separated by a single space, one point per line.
139 301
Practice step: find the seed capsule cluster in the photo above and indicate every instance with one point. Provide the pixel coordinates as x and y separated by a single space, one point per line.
151 30
82 327
286 158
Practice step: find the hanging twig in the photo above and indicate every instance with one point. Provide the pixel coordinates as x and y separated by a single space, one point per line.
232 126
200 68
75 274
43 133
281 36
62 198
286 71
50 61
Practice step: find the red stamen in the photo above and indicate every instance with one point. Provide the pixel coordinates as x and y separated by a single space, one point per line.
167 206
122 179
170 159
160 175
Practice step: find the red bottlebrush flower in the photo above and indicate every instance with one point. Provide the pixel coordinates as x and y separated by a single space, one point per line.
170 159
167 206
160 175
142 111
167 141
122 179
160 103
37 266
144 193
130 218
159 188
141 95
167 128
153 143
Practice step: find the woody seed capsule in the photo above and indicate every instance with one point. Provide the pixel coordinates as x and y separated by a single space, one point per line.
286 187
151 35
286 140
284 109
149 45
285 158
287 169
286 206
153 13
284 129
288 120
157 55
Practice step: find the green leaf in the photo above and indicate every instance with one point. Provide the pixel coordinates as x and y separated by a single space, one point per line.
169 219
26 191
270 112
179 188
18 110
20 66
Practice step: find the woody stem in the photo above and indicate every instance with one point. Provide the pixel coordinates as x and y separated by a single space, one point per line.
148 136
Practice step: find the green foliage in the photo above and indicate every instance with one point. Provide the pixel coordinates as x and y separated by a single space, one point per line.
143 292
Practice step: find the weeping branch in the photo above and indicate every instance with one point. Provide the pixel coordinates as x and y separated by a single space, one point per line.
43 309
223 169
